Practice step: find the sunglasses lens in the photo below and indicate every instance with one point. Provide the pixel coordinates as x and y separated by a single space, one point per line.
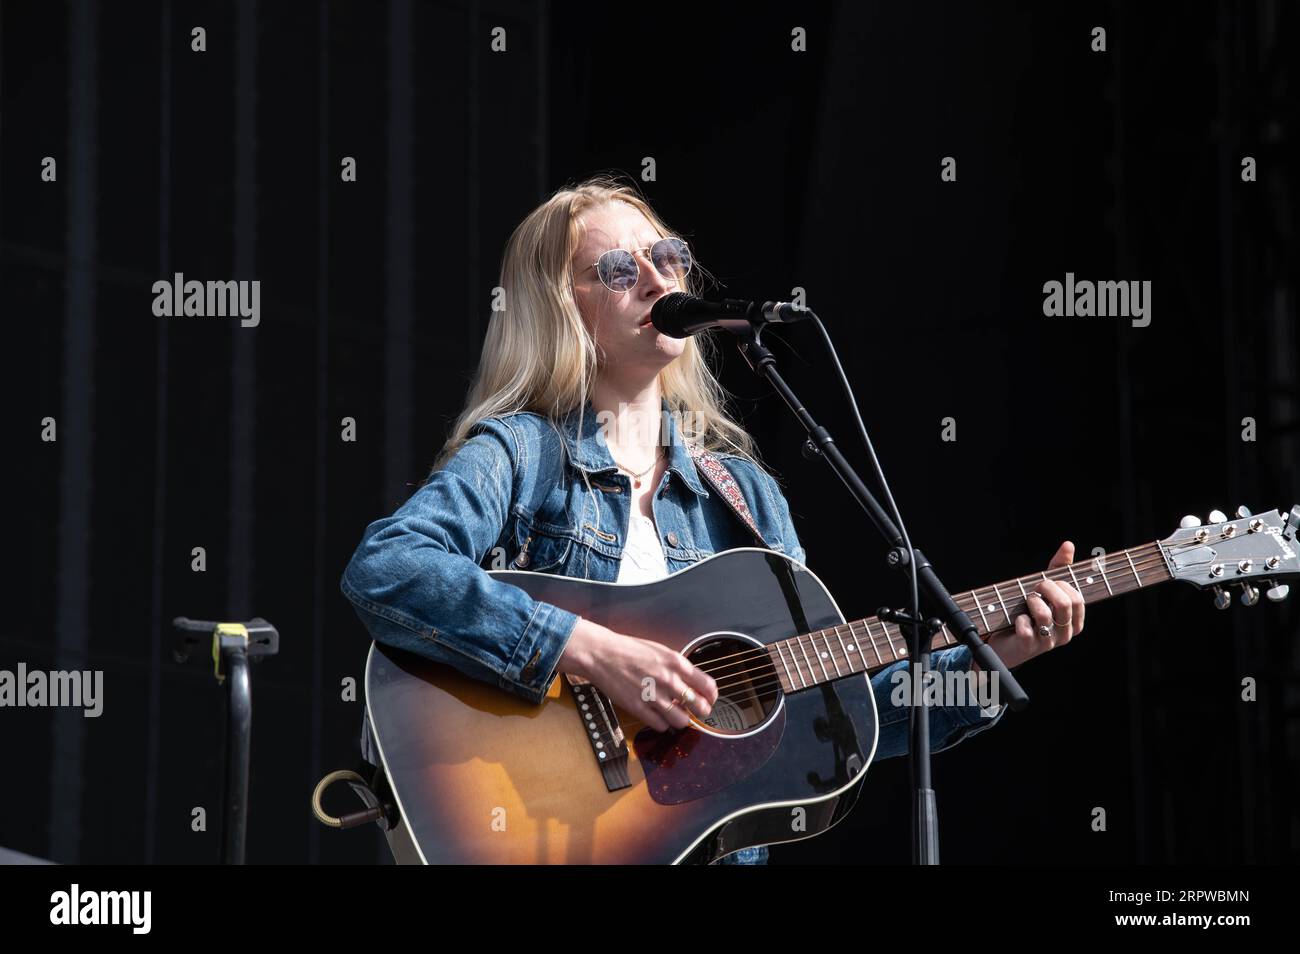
618 270
672 257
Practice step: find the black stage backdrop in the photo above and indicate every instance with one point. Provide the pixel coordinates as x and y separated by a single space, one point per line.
817 169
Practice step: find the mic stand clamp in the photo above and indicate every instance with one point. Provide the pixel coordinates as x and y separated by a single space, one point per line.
920 632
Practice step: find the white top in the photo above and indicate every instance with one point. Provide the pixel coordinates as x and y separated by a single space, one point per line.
643 555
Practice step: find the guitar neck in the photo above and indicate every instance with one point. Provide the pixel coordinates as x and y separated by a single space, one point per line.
867 645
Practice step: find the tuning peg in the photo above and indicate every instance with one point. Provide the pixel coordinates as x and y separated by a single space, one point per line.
1243 511
1249 595
1278 593
1217 516
1189 521
1222 599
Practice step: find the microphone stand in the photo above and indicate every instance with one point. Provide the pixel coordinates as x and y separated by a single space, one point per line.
925 817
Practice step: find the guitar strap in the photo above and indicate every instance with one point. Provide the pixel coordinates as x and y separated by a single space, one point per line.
721 479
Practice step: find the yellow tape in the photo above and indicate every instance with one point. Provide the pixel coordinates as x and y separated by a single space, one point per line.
224 629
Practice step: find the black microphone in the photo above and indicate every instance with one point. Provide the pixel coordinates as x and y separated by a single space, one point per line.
680 315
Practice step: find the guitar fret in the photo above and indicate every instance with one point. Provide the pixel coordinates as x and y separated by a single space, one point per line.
896 652
803 684
857 642
1134 568
874 648
820 661
820 655
830 652
1074 578
1099 563
799 639
998 594
889 642
1023 594
845 648
976 597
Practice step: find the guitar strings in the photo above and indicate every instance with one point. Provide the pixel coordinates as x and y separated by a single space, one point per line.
1143 564
795 647
1016 603
766 668
767 686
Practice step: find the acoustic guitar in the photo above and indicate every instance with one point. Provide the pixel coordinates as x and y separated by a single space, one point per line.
482 776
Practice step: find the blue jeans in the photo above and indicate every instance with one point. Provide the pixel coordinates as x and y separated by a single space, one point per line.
746 856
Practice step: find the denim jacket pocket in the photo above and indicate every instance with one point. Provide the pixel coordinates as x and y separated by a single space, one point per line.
539 546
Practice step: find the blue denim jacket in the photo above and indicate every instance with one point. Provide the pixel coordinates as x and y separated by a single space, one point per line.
520 494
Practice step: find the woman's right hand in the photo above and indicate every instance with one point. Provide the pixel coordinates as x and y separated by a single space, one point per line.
640 676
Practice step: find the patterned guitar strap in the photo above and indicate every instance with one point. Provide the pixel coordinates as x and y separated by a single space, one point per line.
721 480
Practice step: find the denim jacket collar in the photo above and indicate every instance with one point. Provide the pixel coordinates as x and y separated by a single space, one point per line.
592 455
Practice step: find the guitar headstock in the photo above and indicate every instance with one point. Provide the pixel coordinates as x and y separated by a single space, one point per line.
1249 550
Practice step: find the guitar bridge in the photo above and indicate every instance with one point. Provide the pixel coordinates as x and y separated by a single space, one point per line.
604 734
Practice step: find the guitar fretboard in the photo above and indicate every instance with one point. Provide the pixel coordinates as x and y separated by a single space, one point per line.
866 645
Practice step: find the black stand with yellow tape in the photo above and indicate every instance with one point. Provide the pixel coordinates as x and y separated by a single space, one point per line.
232 646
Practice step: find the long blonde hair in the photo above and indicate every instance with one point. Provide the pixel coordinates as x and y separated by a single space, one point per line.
540 356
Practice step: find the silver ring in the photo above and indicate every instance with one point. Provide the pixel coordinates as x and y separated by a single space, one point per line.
688 696
1065 625
1044 631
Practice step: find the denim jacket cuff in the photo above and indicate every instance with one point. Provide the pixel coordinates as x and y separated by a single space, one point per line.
967 720
960 658
965 729
532 666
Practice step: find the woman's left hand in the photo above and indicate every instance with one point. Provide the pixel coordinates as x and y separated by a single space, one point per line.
1060 610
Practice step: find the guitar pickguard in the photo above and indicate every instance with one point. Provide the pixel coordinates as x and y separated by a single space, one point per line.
682 766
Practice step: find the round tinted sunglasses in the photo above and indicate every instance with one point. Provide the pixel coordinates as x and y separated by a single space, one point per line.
619 269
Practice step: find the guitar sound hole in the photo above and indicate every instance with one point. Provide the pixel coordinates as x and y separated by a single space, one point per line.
748 688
